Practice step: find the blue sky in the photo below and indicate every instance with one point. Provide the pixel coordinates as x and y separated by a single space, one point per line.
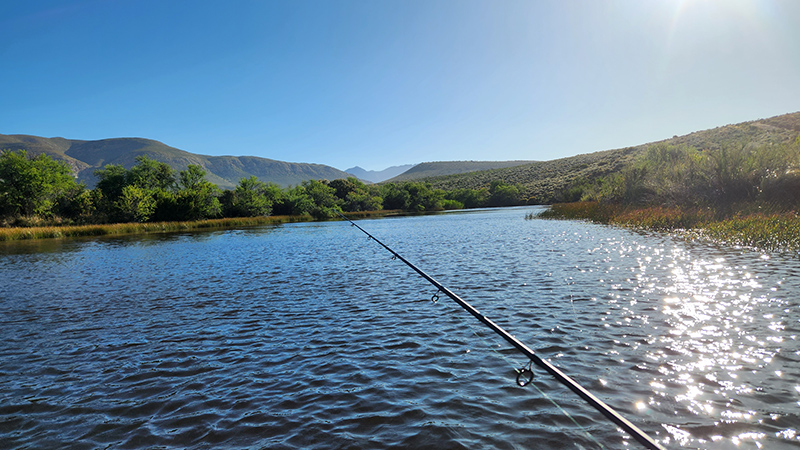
382 83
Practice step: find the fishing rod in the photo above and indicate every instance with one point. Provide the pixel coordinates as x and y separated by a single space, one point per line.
525 374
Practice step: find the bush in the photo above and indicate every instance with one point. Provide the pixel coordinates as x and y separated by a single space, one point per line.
33 185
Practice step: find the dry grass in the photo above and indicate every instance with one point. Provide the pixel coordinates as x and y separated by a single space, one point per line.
64 231
771 231
50 232
774 232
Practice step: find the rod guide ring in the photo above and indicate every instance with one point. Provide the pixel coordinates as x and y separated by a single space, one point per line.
524 376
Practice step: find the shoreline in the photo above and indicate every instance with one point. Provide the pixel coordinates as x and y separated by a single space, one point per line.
767 231
772 231
118 229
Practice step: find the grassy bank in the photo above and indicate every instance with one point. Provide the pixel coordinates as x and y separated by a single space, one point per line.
54 232
775 232
20 233
744 226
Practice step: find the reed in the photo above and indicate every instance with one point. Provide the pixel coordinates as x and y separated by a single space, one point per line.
770 231
49 232
664 218
65 231
594 211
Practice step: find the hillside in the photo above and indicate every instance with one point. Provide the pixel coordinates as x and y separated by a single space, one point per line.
543 181
443 168
84 157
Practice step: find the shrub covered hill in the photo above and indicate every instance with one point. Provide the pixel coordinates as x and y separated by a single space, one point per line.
84 157
545 182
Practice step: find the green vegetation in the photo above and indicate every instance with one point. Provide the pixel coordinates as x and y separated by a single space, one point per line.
45 232
772 231
736 192
150 197
251 198
780 232
36 186
725 178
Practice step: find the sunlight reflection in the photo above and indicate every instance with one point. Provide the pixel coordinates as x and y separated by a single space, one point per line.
681 437
715 343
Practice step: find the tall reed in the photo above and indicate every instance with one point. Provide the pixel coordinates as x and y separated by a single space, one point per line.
21 233
771 231
62 231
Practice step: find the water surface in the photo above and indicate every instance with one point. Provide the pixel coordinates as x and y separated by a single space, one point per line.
311 336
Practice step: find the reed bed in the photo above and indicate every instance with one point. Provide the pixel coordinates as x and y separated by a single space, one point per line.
50 232
65 231
774 231
594 211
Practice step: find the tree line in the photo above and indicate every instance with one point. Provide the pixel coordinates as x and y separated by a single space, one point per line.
38 190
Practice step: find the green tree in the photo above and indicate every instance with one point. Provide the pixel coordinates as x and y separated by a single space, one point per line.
191 178
422 197
197 198
452 204
136 204
395 197
253 198
32 186
354 195
344 187
469 198
312 197
156 184
295 201
502 194
167 207
111 179
78 204
323 197
362 200
151 174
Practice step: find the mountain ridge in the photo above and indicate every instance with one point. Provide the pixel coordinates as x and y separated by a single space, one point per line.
85 156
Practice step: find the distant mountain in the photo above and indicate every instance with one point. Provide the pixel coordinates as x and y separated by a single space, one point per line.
376 176
84 157
441 168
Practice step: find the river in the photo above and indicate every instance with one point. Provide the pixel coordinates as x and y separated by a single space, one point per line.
309 335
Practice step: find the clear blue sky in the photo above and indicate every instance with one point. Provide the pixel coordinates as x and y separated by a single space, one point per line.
381 83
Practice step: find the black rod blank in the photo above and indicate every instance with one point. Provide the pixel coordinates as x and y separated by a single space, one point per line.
587 396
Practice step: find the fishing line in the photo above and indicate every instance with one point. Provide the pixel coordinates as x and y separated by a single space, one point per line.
560 376
519 369
464 255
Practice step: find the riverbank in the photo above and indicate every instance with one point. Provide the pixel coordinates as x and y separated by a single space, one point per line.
745 226
66 231
55 232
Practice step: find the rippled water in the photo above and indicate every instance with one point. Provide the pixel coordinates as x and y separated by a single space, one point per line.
310 336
